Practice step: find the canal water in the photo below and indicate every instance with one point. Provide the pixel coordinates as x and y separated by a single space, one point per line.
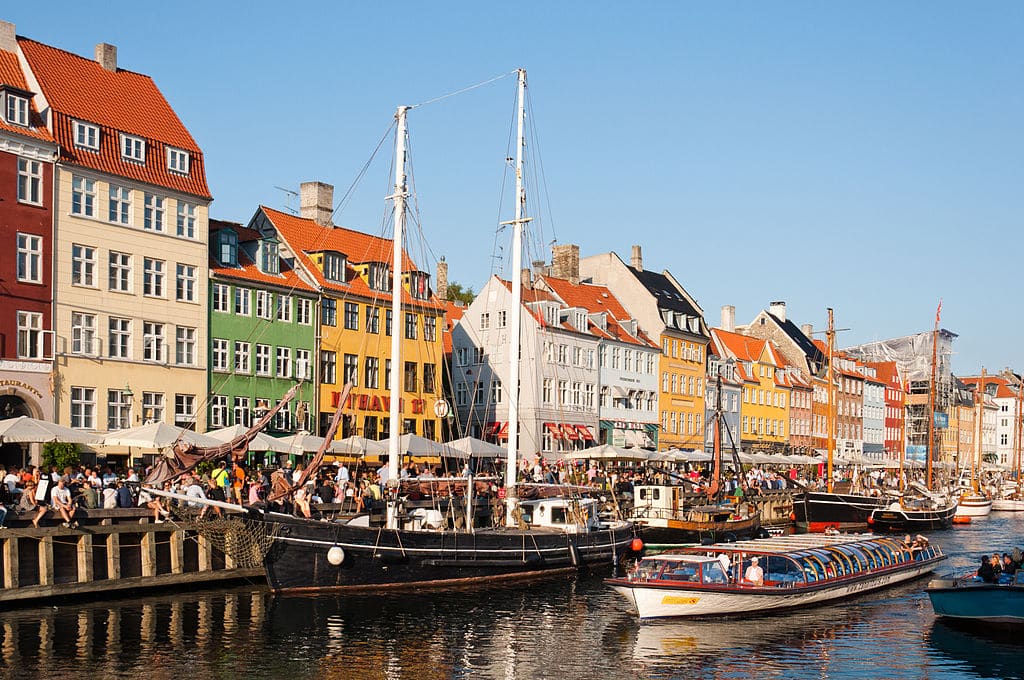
561 630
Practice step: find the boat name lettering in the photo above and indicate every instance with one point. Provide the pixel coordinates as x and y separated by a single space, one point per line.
675 599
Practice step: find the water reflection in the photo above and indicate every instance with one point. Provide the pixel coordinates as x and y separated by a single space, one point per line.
981 651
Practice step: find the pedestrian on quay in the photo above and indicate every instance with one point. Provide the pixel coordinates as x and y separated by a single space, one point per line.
61 499
29 503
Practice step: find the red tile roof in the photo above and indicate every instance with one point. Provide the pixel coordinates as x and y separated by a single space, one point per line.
304 236
248 271
743 347
452 313
119 101
1004 390
596 299
11 74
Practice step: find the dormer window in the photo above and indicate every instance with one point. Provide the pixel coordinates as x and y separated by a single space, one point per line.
334 267
177 160
87 135
133 148
419 285
227 248
379 277
17 109
269 261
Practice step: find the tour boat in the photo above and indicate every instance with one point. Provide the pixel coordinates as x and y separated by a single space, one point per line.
798 571
967 599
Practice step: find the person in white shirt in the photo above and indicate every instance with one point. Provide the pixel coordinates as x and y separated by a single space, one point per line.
61 499
754 573
342 477
109 497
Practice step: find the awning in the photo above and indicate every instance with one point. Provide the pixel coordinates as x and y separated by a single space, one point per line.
570 432
585 433
498 430
620 392
554 429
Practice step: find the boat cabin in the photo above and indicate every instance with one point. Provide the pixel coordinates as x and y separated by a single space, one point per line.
685 568
569 515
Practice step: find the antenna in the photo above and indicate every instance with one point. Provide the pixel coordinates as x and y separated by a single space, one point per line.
290 197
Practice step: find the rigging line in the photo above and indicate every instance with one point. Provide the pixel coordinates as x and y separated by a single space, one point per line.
349 192
541 176
465 89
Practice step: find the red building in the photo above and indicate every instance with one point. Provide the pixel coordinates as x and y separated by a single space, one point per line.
27 152
895 398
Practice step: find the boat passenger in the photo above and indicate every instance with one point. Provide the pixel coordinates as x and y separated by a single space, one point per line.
754 575
986 572
1009 566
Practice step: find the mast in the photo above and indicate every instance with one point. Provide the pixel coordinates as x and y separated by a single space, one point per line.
511 467
1017 429
830 336
716 480
978 452
395 406
929 454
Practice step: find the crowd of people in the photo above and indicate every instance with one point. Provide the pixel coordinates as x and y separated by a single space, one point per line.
996 569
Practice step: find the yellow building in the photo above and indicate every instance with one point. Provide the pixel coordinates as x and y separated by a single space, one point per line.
681 397
352 272
765 407
130 246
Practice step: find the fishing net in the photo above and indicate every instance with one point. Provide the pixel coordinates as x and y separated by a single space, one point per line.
245 541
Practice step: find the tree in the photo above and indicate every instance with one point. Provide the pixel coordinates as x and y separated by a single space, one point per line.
457 293
60 455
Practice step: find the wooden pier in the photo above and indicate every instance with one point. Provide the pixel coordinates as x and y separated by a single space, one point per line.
112 550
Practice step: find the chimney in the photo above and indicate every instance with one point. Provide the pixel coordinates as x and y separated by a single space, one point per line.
807 329
538 268
565 262
526 278
442 279
636 260
728 318
106 56
8 38
316 202
778 310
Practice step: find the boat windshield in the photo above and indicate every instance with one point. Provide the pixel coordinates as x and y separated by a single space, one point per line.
712 573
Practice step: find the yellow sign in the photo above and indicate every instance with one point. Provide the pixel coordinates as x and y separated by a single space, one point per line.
673 599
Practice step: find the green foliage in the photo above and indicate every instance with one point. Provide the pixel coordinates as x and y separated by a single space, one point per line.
205 468
457 293
60 455
990 457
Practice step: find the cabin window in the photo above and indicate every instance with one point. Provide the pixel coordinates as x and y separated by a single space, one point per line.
558 515
712 573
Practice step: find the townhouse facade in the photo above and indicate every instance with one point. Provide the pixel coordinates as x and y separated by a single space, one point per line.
893 438
722 374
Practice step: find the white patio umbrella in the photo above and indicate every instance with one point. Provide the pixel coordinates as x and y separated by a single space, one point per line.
358 446
471 447
607 452
157 436
301 442
415 445
261 442
26 430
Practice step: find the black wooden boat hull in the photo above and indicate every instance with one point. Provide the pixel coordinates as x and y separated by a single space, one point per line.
819 511
696 532
909 521
301 558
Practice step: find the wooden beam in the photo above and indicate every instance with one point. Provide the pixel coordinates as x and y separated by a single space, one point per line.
177 539
85 558
11 562
46 561
147 548
113 556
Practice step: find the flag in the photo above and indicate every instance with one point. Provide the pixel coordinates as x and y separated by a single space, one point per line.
938 313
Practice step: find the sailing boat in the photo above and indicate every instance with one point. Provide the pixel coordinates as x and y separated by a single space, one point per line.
822 511
923 509
665 519
413 546
1011 495
973 502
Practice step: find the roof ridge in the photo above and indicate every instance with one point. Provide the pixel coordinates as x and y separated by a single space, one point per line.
79 56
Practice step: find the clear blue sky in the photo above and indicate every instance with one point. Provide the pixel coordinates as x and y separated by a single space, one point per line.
867 156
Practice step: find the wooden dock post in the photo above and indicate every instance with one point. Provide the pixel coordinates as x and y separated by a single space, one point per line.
85 558
205 553
178 552
11 578
113 556
46 561
147 546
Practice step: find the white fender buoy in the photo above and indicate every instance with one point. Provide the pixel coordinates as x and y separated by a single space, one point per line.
336 555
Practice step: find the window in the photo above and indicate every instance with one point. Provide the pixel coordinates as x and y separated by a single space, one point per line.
577 394
243 351
262 365
495 391
329 312
120 275
83 333
30 335
430 378
284 308
328 362
485 321
387 374
478 394
563 354
83 197
186 220
153 213
152 277
87 136
242 297
119 410
221 294
227 247
119 341
219 355
177 160
350 373
185 346
83 265
351 316
548 391
218 410
502 319
30 181
30 258
418 285
371 372
153 341
264 303
284 362
83 407
388 322
185 411
430 328
185 288
269 261
303 369
563 392
304 311
120 205
17 109
152 407
334 267
461 394
410 326
372 319
133 148
409 376
242 414
588 395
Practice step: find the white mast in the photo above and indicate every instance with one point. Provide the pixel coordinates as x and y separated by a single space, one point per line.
512 390
396 307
